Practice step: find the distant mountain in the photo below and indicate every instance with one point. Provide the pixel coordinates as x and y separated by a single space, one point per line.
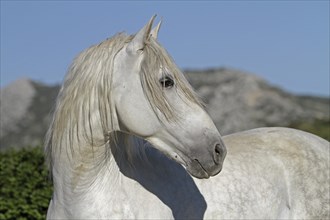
25 108
235 100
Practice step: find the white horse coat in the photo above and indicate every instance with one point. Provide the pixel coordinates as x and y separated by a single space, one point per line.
127 87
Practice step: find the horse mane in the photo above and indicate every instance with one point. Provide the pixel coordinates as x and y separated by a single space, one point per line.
83 110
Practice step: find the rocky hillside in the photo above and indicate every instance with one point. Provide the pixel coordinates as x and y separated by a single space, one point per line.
235 100
238 101
25 108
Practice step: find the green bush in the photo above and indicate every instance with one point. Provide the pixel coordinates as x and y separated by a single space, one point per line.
24 183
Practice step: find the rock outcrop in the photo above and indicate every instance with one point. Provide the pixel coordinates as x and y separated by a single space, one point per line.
238 101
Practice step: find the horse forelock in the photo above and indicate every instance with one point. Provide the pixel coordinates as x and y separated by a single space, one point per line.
157 59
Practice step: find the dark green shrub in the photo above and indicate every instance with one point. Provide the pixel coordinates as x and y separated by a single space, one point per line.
24 184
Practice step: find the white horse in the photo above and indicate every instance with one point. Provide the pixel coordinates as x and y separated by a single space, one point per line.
126 90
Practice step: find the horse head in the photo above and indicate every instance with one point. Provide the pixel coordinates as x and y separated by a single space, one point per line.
155 102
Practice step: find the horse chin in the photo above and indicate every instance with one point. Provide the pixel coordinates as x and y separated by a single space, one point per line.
193 167
196 170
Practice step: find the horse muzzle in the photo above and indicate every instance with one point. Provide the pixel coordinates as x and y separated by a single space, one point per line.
204 167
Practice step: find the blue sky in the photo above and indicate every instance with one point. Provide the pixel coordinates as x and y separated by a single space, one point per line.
285 42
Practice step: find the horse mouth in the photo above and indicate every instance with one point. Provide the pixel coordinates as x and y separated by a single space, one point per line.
196 169
193 167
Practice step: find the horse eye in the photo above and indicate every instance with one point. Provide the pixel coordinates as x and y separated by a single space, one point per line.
166 82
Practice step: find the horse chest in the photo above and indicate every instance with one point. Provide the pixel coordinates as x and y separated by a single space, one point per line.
133 201
127 200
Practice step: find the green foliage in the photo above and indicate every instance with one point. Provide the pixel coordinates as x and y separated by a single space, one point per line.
318 127
25 187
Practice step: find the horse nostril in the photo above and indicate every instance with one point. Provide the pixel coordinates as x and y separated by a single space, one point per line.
219 153
217 150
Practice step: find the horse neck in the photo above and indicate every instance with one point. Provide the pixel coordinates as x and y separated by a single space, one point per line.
78 145
90 169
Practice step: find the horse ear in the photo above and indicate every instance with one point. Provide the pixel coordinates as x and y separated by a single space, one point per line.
155 30
139 40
